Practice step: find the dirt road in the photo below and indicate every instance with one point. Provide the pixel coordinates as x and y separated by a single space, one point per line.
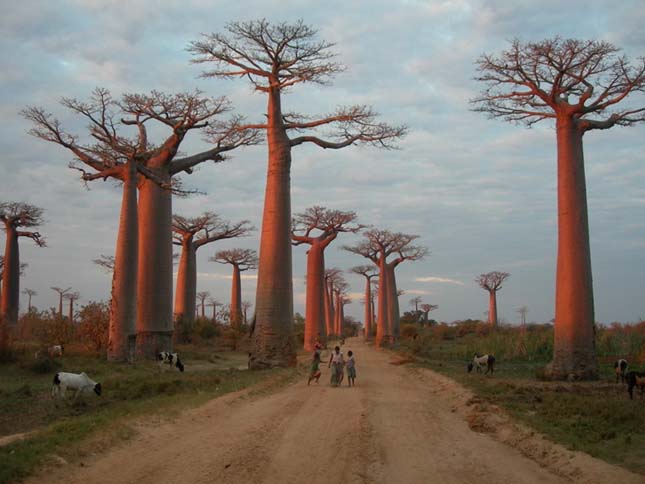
399 425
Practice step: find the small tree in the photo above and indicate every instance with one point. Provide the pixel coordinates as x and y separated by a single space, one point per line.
426 308
368 272
29 293
318 227
72 297
242 260
492 282
15 217
94 321
578 84
61 296
201 297
192 234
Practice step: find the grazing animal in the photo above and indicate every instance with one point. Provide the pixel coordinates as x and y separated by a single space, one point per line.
479 361
635 379
56 350
79 382
620 367
170 359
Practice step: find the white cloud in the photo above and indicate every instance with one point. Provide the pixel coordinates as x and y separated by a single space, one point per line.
441 280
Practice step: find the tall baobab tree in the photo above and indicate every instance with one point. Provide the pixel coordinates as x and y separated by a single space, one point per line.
72 297
202 296
274 58
332 276
15 217
368 272
29 293
378 246
241 260
340 293
318 227
426 308
579 84
61 294
341 302
492 282
192 234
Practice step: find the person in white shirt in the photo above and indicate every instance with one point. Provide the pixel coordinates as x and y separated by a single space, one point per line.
336 363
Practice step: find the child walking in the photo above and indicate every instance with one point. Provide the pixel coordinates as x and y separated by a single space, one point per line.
351 369
315 366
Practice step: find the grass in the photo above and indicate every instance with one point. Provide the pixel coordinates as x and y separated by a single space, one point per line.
594 417
70 430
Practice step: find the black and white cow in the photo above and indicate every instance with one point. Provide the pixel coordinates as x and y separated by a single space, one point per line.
79 382
170 359
620 367
481 360
635 379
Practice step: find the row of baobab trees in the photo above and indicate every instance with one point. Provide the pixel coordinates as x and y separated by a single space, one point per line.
578 84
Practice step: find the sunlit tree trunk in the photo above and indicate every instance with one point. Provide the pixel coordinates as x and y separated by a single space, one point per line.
328 316
154 284
338 315
331 316
236 298
185 299
383 329
123 306
394 317
274 344
315 298
11 278
492 308
574 348
368 309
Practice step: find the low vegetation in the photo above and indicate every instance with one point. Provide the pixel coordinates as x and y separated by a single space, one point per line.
595 417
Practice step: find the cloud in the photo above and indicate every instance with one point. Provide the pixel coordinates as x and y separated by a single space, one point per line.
441 280
418 292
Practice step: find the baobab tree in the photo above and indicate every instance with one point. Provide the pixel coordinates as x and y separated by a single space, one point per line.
23 266
342 301
192 234
426 308
214 303
378 246
579 84
414 302
522 311
15 217
61 294
368 272
241 260
340 294
72 297
318 227
492 282
332 276
29 293
202 296
274 58
149 168
246 305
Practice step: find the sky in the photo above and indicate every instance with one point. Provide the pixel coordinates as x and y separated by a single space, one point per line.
480 193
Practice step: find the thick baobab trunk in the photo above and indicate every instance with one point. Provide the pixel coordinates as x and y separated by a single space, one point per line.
11 279
368 309
329 310
373 332
393 304
274 344
315 299
71 311
154 284
341 317
574 347
236 298
492 308
123 307
60 306
383 330
337 315
185 298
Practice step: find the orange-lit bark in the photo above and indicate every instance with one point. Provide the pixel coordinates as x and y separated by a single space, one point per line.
383 329
186 283
10 280
236 298
492 308
154 281
123 305
273 339
330 310
315 298
574 349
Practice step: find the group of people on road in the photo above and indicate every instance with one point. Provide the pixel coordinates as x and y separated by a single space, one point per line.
337 363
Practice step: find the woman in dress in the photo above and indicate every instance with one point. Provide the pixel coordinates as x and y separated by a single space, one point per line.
336 363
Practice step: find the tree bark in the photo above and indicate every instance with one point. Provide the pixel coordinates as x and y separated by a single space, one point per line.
393 303
71 311
60 306
123 306
368 309
383 330
236 298
315 298
274 344
185 299
11 278
492 307
329 310
339 312
154 284
574 346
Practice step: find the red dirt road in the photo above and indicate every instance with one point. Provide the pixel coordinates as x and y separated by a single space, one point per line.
399 425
